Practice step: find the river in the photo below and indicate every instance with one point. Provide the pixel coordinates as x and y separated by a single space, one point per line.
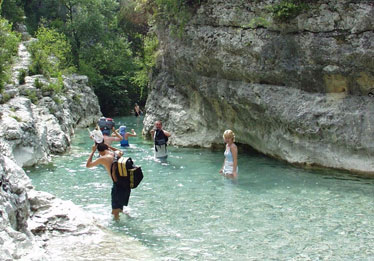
184 210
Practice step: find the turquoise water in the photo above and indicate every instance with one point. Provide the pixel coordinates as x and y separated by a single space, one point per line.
184 210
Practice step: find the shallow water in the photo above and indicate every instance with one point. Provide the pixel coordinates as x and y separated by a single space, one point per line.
184 210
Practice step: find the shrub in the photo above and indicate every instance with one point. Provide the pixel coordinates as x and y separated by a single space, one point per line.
77 98
9 41
38 84
145 65
57 100
32 96
55 86
51 53
18 119
175 12
6 97
21 76
12 10
288 9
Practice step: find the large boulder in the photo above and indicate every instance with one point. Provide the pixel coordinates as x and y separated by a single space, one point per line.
298 90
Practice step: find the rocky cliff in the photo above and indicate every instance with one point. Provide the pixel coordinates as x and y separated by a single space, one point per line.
34 124
297 89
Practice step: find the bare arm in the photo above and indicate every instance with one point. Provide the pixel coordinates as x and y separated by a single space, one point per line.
152 133
167 134
117 134
221 170
90 163
131 134
234 151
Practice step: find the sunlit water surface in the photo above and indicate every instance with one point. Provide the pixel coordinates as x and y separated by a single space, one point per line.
184 210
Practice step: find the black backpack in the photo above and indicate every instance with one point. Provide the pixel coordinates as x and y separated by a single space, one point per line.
160 138
125 173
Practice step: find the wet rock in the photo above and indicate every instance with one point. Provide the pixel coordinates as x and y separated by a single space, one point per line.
295 90
31 129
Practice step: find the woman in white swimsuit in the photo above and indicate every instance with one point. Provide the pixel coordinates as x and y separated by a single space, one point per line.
230 164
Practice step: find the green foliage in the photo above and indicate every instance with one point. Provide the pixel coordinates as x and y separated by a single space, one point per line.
55 87
21 76
51 53
57 100
9 41
18 119
288 9
256 22
110 67
141 77
108 44
31 94
176 13
12 10
38 84
77 98
6 97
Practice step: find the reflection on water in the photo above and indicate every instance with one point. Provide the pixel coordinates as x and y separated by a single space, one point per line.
184 210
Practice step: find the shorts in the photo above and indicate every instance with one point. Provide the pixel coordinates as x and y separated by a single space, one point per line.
120 196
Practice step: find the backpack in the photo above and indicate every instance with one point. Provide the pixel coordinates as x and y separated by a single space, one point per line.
160 138
106 125
125 173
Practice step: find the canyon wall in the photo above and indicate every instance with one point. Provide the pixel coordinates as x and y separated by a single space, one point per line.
299 89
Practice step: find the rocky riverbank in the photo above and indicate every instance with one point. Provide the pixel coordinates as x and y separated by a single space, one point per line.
34 124
298 90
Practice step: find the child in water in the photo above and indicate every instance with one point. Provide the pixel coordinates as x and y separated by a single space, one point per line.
230 164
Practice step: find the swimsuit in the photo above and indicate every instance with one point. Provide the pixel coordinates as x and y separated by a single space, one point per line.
229 162
125 143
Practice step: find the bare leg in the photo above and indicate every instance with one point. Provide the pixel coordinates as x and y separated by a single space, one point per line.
115 213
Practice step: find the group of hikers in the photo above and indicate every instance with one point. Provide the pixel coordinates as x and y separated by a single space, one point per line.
110 156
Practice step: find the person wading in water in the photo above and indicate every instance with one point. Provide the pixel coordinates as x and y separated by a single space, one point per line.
160 138
120 194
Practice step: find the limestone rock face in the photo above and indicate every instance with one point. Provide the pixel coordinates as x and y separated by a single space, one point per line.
33 126
16 240
30 132
298 90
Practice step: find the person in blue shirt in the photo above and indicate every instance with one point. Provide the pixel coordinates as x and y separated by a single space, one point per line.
126 135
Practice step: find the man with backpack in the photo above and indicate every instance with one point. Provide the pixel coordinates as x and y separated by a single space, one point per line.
108 157
160 138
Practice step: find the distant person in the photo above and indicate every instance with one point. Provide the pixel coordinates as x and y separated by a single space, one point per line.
120 195
137 110
230 164
115 137
160 138
125 135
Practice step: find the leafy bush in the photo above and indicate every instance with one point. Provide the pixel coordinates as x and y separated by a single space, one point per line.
12 10
288 9
177 13
38 84
9 41
110 67
57 100
51 53
145 65
32 96
18 119
6 97
77 98
21 76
